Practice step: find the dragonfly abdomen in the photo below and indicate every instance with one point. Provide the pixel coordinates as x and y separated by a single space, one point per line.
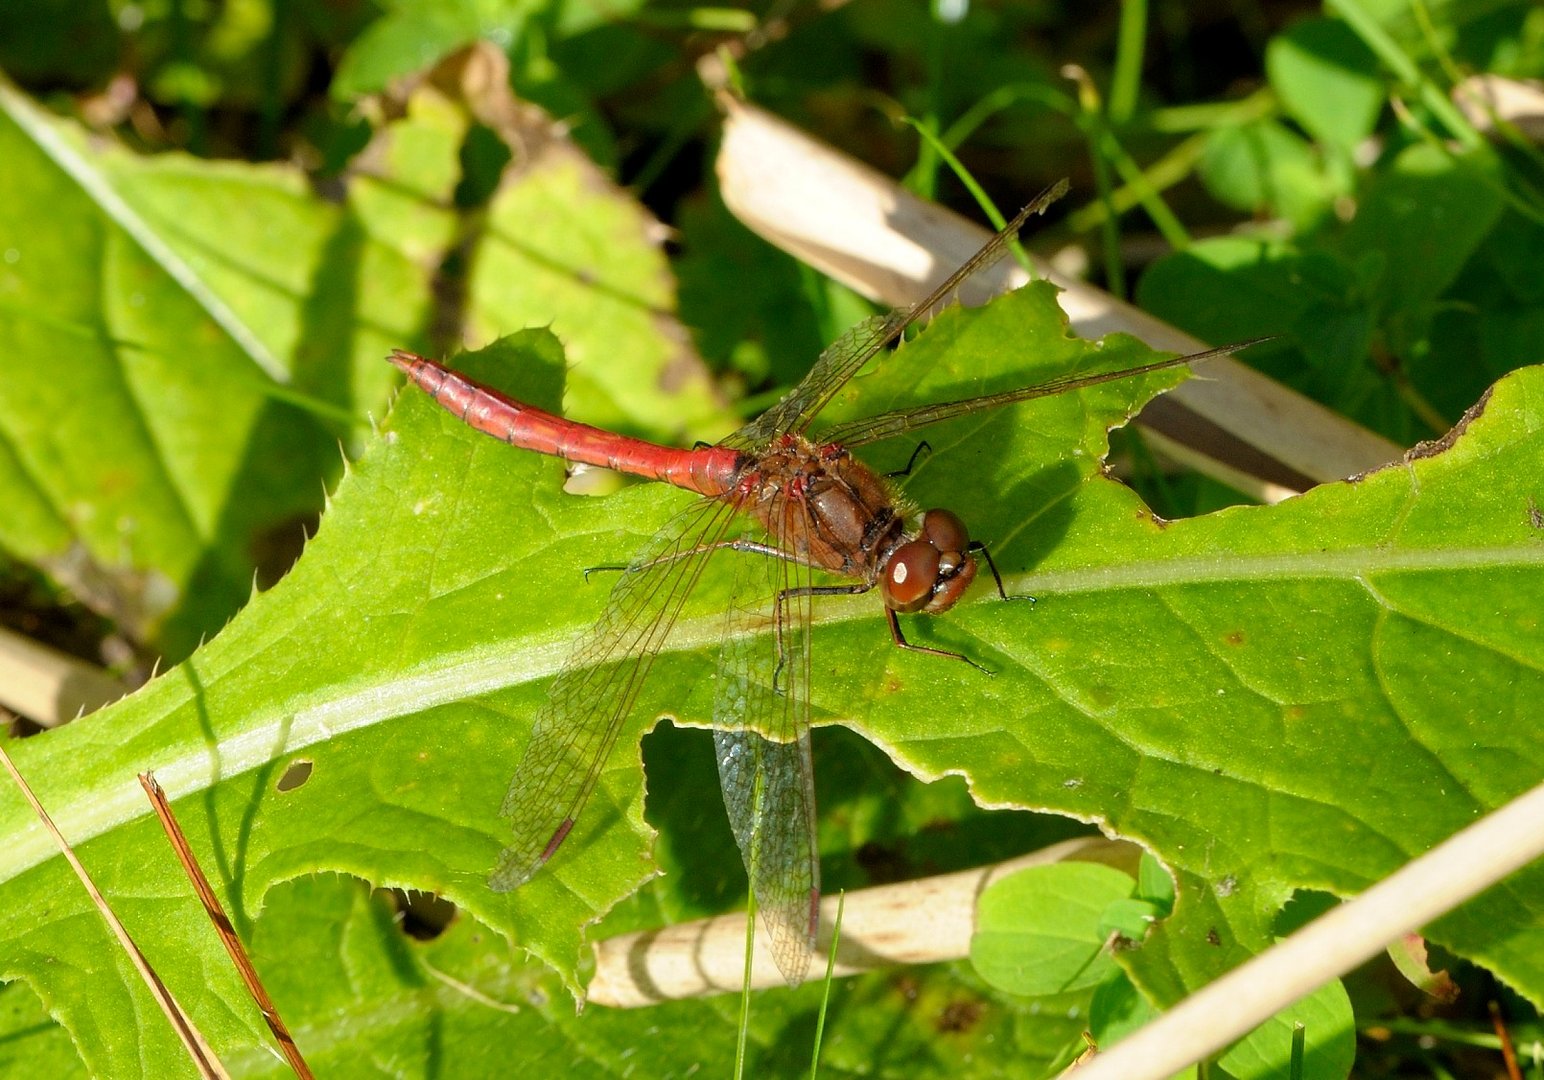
708 471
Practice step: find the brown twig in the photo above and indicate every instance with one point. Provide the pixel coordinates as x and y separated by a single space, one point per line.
222 925
47 686
1508 1051
1425 888
912 922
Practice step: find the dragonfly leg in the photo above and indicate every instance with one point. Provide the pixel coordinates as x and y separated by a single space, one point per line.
977 545
922 447
790 594
754 546
901 642
607 568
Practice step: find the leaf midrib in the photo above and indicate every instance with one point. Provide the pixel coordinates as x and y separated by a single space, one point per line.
1345 563
325 713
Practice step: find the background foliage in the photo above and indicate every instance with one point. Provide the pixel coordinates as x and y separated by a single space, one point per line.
216 219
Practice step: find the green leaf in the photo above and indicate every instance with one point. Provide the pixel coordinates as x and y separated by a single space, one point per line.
1330 1036
1268 698
1262 167
1327 79
1312 297
1511 250
1425 216
1116 1011
363 997
768 333
29 1038
185 341
412 34
410 38
603 285
1129 917
1154 883
1329 1032
1038 931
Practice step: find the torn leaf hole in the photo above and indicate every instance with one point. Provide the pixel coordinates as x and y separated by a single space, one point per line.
422 916
295 776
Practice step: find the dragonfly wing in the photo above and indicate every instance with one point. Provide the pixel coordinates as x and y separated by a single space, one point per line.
888 425
576 727
762 725
769 792
847 355
840 361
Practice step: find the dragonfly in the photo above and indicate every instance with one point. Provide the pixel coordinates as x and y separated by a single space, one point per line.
788 508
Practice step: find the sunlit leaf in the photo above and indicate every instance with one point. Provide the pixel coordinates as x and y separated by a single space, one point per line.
185 343
1268 697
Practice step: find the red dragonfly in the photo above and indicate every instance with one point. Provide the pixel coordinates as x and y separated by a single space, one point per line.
789 506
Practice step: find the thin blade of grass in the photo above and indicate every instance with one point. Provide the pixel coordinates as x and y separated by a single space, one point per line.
198 1048
977 192
746 984
825 996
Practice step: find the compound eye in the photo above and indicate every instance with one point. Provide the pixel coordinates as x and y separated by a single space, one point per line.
945 531
909 576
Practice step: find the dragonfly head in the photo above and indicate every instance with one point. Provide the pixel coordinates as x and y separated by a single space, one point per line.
931 571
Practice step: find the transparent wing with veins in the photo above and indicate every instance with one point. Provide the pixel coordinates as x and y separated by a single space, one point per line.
762 712
846 357
577 725
761 719
762 738
887 425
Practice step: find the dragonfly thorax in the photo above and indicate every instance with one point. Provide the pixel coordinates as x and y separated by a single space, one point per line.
930 571
827 508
